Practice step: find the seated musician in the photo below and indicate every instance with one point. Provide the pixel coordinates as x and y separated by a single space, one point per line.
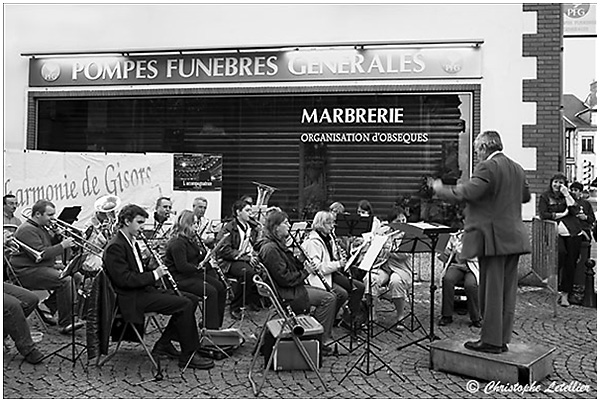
185 252
137 292
237 259
324 251
365 209
45 274
394 274
10 206
289 274
100 230
202 223
158 231
337 208
459 271
19 303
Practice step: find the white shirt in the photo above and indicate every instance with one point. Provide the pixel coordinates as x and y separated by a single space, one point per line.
136 253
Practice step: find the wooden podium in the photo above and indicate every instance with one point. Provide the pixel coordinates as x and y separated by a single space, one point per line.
522 364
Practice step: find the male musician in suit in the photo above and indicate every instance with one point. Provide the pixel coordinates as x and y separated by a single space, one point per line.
45 274
158 230
10 206
199 206
237 258
494 233
137 293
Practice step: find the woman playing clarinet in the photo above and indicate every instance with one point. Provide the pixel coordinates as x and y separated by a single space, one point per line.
183 258
289 274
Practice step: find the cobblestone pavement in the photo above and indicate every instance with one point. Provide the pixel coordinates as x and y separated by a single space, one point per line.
572 333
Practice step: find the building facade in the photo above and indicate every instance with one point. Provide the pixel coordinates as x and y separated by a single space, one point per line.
323 102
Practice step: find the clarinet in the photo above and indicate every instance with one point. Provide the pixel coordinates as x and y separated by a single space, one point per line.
317 271
160 263
216 266
296 328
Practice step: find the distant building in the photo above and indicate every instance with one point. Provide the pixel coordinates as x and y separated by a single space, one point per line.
580 132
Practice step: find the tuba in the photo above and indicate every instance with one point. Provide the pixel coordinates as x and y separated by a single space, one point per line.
108 206
264 193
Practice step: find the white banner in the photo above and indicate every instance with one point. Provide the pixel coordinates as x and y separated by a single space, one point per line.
79 179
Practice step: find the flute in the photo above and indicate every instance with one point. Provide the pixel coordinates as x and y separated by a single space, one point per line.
160 263
317 271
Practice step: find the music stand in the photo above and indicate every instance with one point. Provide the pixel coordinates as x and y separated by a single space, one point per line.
69 214
368 353
70 270
425 239
352 224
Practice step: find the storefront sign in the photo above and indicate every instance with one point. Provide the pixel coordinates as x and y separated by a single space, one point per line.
79 179
299 65
579 19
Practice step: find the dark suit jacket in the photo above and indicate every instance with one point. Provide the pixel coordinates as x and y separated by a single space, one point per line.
129 283
228 251
493 220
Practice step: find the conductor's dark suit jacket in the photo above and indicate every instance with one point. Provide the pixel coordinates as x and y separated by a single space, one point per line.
493 220
129 283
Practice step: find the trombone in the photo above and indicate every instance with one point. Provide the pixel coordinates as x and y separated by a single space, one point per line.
65 229
37 255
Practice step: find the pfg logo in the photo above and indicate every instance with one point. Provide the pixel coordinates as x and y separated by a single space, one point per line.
576 10
452 63
50 72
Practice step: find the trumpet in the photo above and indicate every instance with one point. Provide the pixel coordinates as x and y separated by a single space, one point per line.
317 271
160 263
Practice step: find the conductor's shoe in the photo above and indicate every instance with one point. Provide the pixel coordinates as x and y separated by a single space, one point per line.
444 321
483 347
165 349
70 328
504 348
476 324
197 362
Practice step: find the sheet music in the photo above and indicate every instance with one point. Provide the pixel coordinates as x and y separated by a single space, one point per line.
424 225
372 252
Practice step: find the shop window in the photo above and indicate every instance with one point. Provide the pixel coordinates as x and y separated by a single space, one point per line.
314 148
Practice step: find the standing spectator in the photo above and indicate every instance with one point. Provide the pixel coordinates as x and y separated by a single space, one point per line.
558 205
494 233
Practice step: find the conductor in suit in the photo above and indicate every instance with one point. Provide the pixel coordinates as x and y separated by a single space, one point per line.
494 233
137 293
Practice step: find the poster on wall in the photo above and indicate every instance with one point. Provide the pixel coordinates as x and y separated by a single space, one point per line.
579 19
79 179
197 172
